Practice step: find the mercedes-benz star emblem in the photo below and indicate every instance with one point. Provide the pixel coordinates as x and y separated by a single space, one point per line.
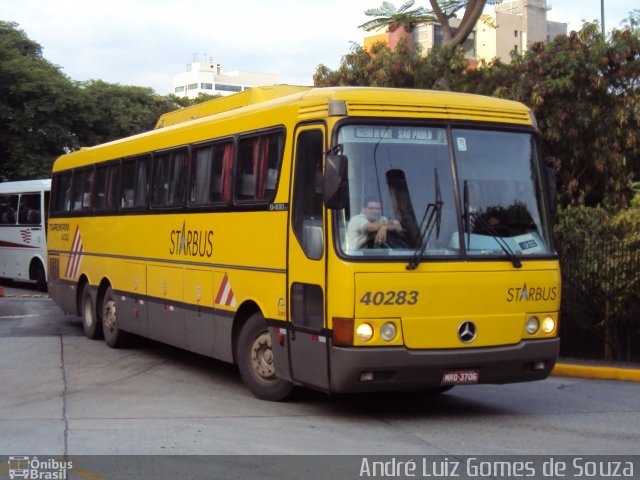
467 332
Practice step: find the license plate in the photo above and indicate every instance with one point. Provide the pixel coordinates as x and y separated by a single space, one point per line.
462 376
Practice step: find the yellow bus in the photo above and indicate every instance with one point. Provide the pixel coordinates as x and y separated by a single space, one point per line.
342 239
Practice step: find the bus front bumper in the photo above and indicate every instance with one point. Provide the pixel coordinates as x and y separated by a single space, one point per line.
398 368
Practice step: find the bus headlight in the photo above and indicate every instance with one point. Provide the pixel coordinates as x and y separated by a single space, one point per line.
532 326
548 325
388 331
364 332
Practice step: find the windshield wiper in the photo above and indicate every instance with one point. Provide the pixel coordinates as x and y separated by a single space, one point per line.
430 220
476 217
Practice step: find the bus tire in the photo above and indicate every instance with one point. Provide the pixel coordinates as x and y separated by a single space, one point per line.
39 276
90 322
113 336
255 361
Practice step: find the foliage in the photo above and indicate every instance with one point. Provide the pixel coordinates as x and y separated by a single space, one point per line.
37 103
388 16
600 257
585 92
111 111
400 68
583 89
43 114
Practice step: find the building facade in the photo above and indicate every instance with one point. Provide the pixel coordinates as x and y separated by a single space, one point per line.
211 79
513 27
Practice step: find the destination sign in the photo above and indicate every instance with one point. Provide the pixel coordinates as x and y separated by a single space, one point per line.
399 133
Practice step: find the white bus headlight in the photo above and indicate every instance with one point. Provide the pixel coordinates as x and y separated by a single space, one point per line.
532 326
364 332
388 331
548 325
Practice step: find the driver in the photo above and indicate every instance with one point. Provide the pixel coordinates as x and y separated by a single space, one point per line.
370 224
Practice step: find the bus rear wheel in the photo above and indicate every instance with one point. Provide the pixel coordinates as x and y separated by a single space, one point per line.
90 322
255 361
113 336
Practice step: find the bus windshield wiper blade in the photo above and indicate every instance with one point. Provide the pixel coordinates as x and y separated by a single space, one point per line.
430 220
486 226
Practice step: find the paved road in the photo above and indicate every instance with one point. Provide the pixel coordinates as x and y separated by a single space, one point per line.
61 393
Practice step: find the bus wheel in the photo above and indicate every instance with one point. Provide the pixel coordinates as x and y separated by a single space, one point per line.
255 361
113 336
90 323
40 276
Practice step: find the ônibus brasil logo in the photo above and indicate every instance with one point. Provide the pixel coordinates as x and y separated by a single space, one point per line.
37 469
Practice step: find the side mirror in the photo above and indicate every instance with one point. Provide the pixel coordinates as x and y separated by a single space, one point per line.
552 188
336 193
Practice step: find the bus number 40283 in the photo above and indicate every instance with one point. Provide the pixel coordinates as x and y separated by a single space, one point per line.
392 297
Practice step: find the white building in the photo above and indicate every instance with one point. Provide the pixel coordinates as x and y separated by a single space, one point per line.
210 78
515 26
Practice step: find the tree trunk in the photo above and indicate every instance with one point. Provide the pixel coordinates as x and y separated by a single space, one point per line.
471 15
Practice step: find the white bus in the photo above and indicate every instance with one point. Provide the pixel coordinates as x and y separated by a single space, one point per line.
23 224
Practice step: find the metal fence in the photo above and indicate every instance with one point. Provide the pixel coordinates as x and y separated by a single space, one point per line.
600 312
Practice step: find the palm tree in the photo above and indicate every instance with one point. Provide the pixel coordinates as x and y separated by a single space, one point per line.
399 22
392 18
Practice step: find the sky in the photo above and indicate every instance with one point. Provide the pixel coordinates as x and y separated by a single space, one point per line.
146 42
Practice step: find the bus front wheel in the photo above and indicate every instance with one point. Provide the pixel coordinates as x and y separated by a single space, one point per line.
255 361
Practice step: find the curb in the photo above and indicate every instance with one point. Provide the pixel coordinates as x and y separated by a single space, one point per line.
597 372
13 295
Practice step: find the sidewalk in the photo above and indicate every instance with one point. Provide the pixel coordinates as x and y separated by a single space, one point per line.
573 367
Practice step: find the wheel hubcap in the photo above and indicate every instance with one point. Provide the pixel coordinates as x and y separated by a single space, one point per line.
262 357
88 314
109 317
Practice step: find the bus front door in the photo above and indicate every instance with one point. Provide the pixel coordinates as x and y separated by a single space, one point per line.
308 345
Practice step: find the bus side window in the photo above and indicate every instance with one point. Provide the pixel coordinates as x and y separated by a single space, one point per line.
128 183
61 186
105 187
133 192
307 194
169 179
8 207
82 184
258 166
29 213
211 174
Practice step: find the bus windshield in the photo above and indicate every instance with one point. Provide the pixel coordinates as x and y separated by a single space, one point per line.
404 201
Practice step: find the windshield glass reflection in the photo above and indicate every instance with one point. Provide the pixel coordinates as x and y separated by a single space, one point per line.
402 194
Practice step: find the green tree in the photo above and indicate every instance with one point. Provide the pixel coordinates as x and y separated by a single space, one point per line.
37 106
441 68
111 111
585 92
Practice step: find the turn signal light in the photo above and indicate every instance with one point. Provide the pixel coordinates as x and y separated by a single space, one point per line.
342 331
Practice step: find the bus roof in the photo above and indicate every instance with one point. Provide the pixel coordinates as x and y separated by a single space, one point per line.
230 102
193 124
25 186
